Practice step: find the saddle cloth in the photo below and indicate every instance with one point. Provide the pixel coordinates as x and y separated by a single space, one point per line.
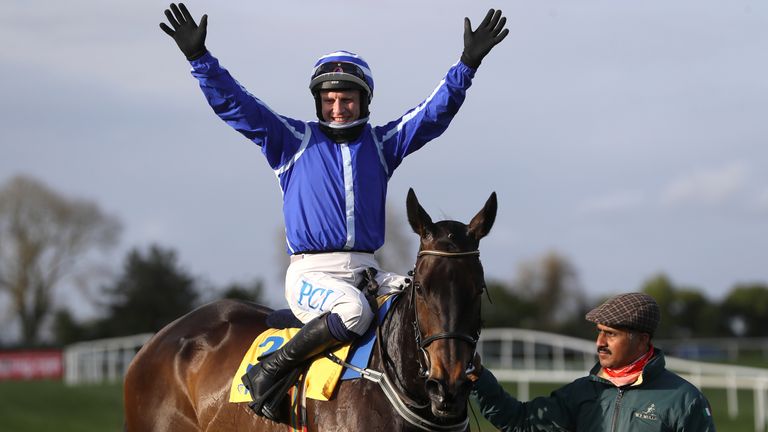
323 374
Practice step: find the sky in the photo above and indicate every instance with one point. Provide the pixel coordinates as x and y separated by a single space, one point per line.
629 137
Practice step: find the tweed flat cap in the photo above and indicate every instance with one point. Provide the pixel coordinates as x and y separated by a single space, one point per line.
635 311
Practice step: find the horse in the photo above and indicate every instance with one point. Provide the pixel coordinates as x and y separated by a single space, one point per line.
179 380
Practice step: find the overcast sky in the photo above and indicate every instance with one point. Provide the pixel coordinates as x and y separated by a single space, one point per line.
629 137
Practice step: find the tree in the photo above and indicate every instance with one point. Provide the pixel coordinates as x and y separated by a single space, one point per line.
697 316
252 291
152 291
747 305
551 284
507 309
685 312
660 287
67 330
44 237
546 295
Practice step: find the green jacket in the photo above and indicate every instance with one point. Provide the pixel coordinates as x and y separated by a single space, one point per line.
663 401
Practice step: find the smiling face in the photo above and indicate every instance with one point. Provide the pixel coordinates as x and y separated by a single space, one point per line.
340 106
617 348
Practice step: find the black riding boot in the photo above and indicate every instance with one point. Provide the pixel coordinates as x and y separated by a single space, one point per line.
313 339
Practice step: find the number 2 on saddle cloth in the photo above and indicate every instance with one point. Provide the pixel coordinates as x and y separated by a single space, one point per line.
322 374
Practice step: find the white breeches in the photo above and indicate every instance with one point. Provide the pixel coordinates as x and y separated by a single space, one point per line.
327 282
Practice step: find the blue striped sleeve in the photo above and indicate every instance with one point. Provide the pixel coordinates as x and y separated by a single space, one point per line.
428 120
279 137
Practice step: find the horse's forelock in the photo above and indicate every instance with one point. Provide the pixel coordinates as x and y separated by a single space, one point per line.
450 236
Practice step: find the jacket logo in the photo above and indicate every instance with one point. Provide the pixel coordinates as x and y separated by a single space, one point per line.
648 414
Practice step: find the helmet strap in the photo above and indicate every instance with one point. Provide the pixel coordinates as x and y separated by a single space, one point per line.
344 132
342 135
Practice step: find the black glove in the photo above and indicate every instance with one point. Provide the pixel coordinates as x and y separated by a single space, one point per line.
188 35
478 44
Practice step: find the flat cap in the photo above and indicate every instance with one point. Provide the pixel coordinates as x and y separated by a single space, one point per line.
635 311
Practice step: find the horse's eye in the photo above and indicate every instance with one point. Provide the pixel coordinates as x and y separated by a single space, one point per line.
417 286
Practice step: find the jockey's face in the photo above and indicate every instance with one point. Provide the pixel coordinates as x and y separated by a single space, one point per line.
340 106
619 347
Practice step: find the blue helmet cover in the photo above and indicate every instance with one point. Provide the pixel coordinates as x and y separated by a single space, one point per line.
359 73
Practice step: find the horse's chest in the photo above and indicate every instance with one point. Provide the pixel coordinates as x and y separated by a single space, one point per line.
358 405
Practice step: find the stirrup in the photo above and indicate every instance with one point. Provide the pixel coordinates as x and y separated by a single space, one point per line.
268 404
271 406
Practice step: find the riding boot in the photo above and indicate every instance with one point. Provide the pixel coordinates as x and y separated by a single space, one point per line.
313 339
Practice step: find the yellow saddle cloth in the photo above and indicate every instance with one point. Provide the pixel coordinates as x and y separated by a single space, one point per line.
321 379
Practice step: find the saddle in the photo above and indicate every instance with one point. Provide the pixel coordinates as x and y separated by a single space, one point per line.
317 378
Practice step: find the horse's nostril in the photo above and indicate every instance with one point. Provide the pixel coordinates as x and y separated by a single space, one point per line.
435 389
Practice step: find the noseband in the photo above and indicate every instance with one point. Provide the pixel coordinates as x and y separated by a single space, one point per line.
422 341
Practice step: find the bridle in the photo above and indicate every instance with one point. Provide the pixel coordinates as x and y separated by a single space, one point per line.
393 390
421 341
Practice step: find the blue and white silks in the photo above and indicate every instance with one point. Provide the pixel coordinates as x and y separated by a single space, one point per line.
334 195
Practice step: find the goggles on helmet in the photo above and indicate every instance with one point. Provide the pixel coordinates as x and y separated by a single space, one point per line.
338 75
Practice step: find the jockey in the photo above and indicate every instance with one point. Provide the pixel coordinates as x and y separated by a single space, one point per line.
333 174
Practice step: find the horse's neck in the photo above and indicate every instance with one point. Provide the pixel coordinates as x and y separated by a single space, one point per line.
400 356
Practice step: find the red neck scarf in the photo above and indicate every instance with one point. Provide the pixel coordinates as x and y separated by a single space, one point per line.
628 374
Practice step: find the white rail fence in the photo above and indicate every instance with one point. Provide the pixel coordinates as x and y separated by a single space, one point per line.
103 360
514 355
526 356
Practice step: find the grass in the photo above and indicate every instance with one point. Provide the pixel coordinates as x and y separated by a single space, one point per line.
52 406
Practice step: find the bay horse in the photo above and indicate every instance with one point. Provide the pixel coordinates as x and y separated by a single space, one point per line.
180 379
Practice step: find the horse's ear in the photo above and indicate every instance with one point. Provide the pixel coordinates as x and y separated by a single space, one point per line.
420 221
481 224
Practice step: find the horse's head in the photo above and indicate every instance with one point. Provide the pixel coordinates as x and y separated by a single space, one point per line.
448 283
